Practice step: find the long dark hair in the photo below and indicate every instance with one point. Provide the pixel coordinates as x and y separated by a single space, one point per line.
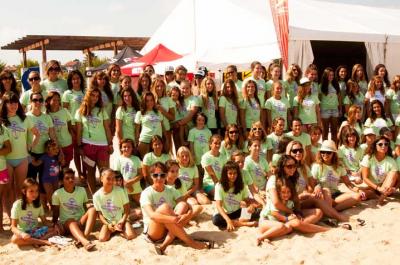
238 184
169 164
373 114
371 150
71 75
143 107
280 173
8 74
385 77
29 182
135 101
325 82
107 86
13 98
49 97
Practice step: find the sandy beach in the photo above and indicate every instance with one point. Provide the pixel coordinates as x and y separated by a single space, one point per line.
375 243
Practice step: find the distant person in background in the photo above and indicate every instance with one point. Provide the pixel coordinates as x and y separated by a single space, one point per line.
381 71
198 78
359 76
144 84
114 73
169 74
7 83
54 79
180 75
232 73
149 69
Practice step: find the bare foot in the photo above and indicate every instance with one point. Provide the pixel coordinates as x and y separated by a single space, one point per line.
89 246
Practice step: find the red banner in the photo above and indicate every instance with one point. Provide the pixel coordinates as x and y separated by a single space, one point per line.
280 15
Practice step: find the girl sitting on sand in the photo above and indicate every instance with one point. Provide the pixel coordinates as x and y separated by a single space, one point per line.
230 196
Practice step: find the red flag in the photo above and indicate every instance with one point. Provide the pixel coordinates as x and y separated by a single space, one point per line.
280 15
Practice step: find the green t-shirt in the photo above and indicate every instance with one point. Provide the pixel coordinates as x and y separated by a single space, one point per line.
93 131
291 89
378 169
226 153
303 138
151 124
111 205
275 159
107 104
265 146
247 179
315 149
363 84
25 98
278 108
18 132
230 201
307 110
209 111
115 90
4 136
200 139
394 98
43 123
127 117
269 208
252 111
378 124
301 184
358 100
150 159
329 101
187 176
129 167
258 171
327 176
216 163
273 140
269 83
189 103
60 85
350 157
231 111
155 199
74 99
71 204
60 121
28 218
167 103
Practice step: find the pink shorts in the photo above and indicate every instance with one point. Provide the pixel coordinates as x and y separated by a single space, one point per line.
96 152
4 177
68 152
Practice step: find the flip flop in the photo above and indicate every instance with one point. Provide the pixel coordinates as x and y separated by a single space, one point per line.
346 226
330 222
210 243
158 250
361 222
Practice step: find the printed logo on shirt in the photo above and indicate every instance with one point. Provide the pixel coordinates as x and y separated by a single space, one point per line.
160 202
58 123
331 178
350 157
185 177
233 107
128 168
202 139
72 206
93 121
217 167
54 169
43 129
15 129
254 105
29 220
280 107
110 208
78 99
379 172
231 200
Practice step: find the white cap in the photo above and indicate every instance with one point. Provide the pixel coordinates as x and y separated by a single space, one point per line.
169 69
369 131
304 80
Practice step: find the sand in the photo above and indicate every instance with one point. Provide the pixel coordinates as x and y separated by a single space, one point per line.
375 243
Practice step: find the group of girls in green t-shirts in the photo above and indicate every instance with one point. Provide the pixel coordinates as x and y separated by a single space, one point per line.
252 146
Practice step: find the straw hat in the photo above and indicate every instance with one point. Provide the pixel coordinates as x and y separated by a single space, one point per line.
328 146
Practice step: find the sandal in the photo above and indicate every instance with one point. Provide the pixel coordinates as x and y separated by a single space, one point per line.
89 246
330 222
361 222
158 250
346 226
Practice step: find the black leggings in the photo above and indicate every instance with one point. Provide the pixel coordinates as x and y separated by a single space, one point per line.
219 221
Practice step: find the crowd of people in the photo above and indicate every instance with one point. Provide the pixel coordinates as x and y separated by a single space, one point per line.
270 150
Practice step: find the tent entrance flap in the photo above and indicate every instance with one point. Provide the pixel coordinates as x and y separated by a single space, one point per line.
335 53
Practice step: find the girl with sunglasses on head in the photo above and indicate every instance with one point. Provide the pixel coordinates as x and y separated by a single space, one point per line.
34 82
277 106
165 213
328 172
257 132
379 170
7 83
232 142
228 105
54 80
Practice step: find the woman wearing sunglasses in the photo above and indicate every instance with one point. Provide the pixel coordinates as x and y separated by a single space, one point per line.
232 142
165 213
7 83
379 170
34 82
328 171
54 80
257 132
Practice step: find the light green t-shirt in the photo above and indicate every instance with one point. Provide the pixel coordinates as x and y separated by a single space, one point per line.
303 138
127 117
230 201
226 153
231 111
258 170
167 103
74 99
278 108
252 111
151 124
150 159
71 204
189 103
115 90
200 139
4 136
209 111
315 149
93 131
43 123
358 100
350 157
327 176
28 218
247 179
363 86
129 167
265 146
329 101
394 98
25 98
216 163
155 199
60 85
18 132
291 89
273 140
269 208
378 124
187 176
301 184
307 110
107 104
60 121
269 84
275 159
378 169
111 205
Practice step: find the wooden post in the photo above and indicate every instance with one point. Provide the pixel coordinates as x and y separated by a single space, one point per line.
44 55
89 55
24 61
115 48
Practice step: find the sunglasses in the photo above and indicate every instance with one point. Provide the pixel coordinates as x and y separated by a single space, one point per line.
36 78
7 78
325 152
291 166
40 100
56 69
256 129
295 151
233 132
158 175
383 144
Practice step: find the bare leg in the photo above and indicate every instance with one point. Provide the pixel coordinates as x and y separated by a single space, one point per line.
327 209
128 233
20 173
76 232
325 131
202 199
105 234
143 149
270 229
91 178
2 187
347 200
29 241
312 216
306 227
334 127
89 219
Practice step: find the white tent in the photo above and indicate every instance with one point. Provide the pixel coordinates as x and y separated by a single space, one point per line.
376 23
216 34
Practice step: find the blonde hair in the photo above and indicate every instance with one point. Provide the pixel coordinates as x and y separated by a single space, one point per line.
179 153
204 92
